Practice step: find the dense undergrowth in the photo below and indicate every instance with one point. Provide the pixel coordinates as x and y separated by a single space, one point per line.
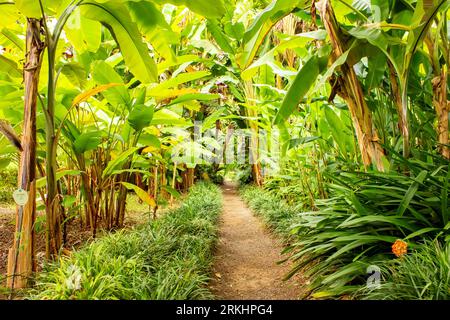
168 258
8 183
336 241
423 274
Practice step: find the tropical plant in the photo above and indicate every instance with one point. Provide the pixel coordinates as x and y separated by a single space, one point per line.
421 275
167 259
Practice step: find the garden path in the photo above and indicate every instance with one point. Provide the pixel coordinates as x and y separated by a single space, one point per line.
247 255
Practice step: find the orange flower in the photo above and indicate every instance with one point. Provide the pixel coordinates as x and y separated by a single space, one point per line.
399 248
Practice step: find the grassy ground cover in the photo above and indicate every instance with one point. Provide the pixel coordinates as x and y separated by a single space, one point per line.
169 258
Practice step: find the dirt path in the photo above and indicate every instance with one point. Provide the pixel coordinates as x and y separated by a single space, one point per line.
247 255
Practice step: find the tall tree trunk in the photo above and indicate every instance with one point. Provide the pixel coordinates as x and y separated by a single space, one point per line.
350 90
52 202
254 134
396 93
442 106
439 82
190 177
21 258
174 176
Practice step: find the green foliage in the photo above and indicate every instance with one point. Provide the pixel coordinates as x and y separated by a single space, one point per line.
8 183
365 214
304 80
169 258
424 274
115 16
356 226
207 172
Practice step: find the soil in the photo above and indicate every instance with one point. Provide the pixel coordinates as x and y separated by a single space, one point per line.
77 236
247 254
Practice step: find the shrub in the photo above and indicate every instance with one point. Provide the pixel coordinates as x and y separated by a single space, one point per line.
422 274
334 243
169 258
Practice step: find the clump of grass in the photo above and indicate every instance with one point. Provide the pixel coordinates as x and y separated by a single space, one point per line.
334 243
169 258
423 274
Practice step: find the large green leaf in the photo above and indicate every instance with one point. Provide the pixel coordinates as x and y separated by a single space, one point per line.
263 23
75 73
10 67
222 39
341 134
299 88
152 24
117 163
140 117
104 74
207 8
10 38
168 117
195 96
9 13
116 18
150 140
179 79
83 33
87 141
29 8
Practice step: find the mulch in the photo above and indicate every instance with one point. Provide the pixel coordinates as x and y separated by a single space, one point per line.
76 236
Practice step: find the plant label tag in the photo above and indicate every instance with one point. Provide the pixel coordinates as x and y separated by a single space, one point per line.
20 197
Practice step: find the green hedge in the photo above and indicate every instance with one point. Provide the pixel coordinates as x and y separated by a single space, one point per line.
169 258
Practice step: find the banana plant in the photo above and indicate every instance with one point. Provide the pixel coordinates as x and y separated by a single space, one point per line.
52 20
416 22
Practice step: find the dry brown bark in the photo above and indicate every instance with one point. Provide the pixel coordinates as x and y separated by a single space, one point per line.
21 258
349 88
442 106
440 101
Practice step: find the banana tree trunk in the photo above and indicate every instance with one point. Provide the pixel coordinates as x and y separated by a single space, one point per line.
439 82
442 106
190 177
350 90
254 140
397 95
52 205
21 259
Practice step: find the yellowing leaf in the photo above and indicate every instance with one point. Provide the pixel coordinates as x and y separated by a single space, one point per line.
322 294
142 194
169 93
87 94
150 149
29 8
